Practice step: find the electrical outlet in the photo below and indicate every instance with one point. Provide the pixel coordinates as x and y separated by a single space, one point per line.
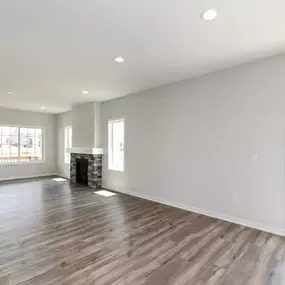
234 198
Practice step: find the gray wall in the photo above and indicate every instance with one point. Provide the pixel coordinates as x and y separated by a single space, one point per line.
14 117
63 120
199 142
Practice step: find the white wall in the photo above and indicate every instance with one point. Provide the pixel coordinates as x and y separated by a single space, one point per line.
63 120
193 143
14 117
85 119
97 126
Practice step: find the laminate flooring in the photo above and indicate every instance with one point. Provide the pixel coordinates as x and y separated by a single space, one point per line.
56 234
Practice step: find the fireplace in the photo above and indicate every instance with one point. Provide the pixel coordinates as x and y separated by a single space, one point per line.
82 171
86 169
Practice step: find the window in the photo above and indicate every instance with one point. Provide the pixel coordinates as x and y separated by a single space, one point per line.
68 143
116 145
19 144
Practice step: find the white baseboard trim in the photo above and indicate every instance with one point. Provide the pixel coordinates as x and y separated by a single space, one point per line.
27 177
231 219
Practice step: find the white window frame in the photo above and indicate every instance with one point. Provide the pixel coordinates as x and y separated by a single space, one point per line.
43 144
111 165
67 143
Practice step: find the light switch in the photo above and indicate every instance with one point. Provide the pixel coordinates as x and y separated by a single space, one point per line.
255 156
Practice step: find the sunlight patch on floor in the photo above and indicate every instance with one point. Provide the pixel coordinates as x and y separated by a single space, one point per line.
105 193
59 179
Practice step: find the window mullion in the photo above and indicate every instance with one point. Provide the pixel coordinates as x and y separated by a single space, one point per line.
10 147
19 143
112 143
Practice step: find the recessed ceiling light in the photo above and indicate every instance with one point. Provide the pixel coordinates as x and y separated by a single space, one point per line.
43 108
119 59
10 92
84 92
209 15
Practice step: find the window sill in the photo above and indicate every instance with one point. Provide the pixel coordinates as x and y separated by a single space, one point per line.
116 169
23 162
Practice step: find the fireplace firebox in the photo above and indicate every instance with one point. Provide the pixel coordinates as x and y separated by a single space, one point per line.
82 171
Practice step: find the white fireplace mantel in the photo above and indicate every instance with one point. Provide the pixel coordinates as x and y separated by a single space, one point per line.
85 150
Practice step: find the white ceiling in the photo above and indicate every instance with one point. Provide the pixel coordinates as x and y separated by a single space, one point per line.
51 50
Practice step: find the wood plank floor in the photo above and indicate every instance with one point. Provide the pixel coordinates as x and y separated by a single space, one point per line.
52 233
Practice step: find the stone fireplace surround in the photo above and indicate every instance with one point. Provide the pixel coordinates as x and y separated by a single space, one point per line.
94 168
